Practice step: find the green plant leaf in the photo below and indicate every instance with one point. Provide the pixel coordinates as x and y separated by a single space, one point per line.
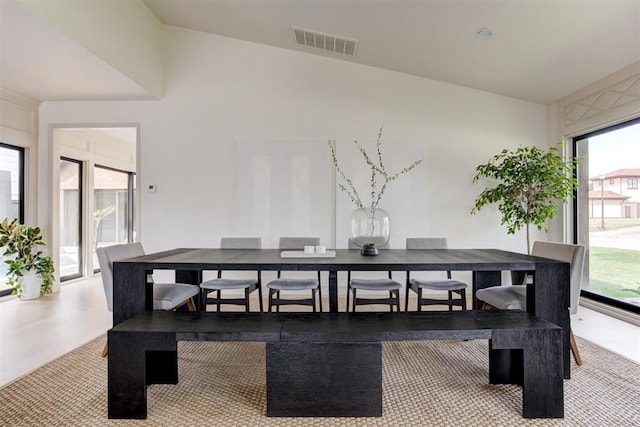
528 184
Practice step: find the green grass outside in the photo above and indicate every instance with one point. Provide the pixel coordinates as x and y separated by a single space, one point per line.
614 272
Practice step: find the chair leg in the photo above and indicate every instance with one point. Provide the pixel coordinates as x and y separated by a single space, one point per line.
450 295
270 291
419 299
278 300
313 299
218 300
246 299
463 295
574 349
353 306
203 300
105 350
397 292
191 305
391 295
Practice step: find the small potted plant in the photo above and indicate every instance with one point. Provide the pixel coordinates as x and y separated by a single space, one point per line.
30 272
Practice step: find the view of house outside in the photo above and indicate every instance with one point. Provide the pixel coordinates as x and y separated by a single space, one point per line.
614 214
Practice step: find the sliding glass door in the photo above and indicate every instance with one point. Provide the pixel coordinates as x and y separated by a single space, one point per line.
608 213
113 208
11 195
70 264
97 192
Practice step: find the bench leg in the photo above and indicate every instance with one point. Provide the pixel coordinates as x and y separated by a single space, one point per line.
321 379
542 394
541 369
137 359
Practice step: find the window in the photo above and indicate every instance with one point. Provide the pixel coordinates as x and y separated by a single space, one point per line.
607 218
97 200
113 208
11 194
70 262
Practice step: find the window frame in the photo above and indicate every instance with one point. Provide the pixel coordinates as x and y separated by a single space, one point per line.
21 190
79 274
585 293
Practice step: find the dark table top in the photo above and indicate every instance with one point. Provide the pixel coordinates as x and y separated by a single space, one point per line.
345 259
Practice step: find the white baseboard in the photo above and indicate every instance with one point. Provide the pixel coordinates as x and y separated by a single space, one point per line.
620 314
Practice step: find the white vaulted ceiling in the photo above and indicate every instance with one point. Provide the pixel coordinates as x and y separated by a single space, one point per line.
541 51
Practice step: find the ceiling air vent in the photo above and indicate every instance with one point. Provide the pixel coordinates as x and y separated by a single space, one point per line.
324 41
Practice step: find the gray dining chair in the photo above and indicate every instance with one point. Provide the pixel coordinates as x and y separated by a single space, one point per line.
289 284
514 297
384 284
166 296
451 286
221 284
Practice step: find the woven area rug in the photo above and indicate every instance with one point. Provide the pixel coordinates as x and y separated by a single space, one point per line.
437 383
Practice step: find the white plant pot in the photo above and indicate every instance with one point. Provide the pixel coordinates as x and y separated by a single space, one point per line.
30 283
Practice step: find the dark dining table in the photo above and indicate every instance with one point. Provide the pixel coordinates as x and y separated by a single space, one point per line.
547 295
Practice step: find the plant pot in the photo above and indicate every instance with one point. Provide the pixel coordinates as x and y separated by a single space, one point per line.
30 285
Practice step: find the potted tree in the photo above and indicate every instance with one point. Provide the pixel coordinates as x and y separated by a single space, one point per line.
30 272
530 182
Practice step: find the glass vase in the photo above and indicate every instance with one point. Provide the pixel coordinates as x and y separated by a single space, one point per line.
370 229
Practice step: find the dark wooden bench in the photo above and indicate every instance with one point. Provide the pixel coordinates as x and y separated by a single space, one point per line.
330 364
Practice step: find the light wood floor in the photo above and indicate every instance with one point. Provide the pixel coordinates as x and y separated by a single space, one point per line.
33 333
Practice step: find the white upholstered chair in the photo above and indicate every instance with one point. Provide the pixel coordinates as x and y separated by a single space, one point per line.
514 297
221 284
288 284
451 286
166 296
383 284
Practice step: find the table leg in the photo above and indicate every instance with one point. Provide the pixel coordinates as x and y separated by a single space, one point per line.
481 280
333 291
548 298
129 291
191 277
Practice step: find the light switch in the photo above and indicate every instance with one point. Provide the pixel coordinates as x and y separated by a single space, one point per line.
152 188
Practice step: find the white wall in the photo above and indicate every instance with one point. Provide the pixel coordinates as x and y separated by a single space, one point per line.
220 91
126 34
19 127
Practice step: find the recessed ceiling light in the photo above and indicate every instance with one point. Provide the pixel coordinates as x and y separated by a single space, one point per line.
484 33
